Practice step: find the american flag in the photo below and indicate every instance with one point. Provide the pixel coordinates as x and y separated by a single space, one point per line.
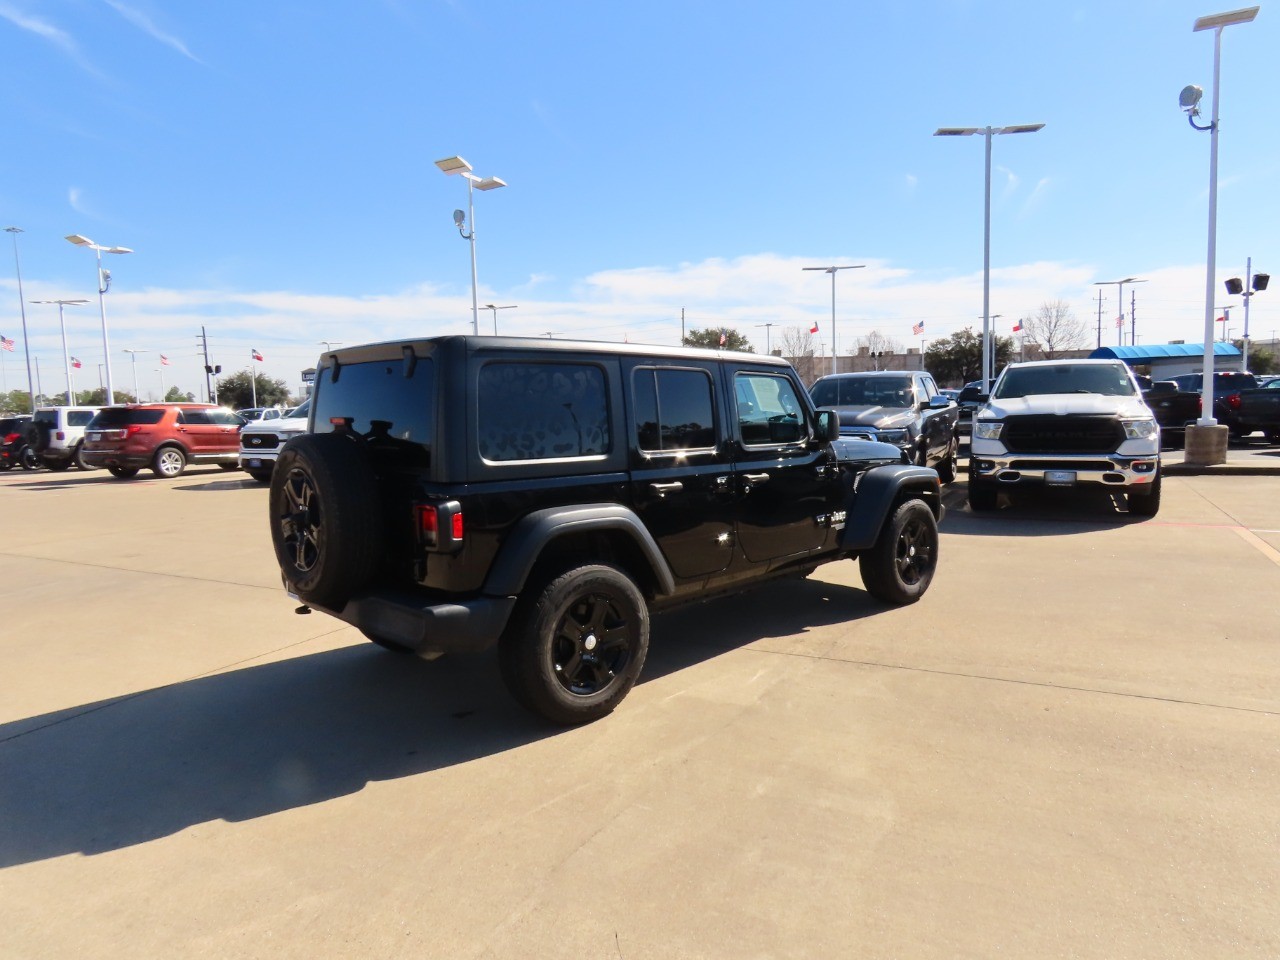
258 356
1120 320
164 361
917 329
6 343
724 338
76 363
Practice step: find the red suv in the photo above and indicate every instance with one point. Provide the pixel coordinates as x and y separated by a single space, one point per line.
162 436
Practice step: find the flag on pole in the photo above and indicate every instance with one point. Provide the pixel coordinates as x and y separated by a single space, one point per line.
813 329
1120 321
164 361
1017 327
76 363
6 343
724 337
917 329
257 355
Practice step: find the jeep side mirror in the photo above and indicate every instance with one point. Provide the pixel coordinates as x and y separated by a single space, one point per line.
828 422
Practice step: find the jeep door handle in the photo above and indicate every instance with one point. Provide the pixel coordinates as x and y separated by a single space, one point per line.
662 489
754 478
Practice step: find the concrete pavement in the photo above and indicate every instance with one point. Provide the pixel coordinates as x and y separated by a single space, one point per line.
1068 748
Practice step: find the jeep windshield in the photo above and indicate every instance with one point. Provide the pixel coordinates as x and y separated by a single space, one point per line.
1111 380
862 392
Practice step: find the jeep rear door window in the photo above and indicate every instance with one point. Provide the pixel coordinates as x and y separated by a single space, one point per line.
382 399
769 412
542 411
673 410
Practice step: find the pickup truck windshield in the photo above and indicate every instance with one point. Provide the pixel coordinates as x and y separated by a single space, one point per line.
1106 379
862 392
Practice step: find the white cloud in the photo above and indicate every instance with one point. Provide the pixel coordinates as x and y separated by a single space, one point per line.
147 26
47 31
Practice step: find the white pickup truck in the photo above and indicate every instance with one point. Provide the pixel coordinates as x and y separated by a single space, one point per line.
1064 423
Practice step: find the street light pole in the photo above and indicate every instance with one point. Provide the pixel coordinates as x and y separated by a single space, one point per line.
768 329
66 357
495 309
104 281
832 270
988 133
457 165
133 361
26 344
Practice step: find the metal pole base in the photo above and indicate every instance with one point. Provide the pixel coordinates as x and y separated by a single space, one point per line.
1206 445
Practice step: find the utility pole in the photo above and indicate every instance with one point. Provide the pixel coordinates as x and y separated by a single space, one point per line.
682 326
1099 319
1133 319
208 380
768 344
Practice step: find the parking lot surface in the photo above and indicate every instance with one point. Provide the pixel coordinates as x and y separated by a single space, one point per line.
1069 748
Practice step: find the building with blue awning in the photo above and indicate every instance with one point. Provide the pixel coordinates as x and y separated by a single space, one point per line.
1165 360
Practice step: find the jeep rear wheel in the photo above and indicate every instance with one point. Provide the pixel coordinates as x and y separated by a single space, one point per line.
573 651
899 567
169 462
325 523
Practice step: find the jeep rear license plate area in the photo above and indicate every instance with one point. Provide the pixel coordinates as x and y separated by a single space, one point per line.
1060 478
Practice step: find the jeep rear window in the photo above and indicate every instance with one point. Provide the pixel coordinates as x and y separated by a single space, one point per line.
114 418
379 400
542 411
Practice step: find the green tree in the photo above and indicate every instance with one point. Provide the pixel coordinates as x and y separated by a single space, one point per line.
957 359
1260 361
710 338
15 401
177 396
238 392
98 397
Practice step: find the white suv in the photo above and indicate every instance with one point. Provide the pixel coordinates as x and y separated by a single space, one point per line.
58 433
1063 423
261 440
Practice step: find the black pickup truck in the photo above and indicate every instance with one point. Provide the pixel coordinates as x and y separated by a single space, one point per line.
1260 410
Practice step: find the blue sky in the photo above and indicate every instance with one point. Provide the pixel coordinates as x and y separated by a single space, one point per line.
272 165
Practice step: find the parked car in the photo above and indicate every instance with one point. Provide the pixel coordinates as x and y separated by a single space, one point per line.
162 436
1173 408
1227 385
1066 423
251 414
972 396
260 441
57 433
1260 410
544 495
14 451
899 407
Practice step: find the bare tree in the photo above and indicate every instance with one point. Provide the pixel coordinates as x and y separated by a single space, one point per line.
877 342
797 346
1055 328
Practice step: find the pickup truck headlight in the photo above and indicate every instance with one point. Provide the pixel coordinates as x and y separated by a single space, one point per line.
987 429
894 436
1139 429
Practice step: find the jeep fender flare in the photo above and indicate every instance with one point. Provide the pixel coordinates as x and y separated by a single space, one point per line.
533 533
879 489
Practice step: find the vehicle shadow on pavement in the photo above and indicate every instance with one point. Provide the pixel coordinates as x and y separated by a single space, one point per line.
1037 513
692 634
244 744
43 481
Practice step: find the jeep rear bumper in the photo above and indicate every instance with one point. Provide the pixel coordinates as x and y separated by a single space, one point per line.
422 624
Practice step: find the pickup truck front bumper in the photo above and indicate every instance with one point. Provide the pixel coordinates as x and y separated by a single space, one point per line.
1066 469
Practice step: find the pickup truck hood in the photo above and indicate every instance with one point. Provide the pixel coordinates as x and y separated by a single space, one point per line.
281 425
886 418
1061 404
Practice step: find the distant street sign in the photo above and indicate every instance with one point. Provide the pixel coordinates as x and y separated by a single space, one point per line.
309 375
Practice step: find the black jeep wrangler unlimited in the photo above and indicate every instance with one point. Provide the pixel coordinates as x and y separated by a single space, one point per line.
545 495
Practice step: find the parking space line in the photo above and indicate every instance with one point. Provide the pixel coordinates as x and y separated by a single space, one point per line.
1268 551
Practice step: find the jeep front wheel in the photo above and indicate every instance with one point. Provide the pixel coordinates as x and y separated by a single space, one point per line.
573 651
325 523
899 567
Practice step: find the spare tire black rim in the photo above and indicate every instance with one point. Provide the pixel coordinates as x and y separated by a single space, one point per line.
300 525
592 644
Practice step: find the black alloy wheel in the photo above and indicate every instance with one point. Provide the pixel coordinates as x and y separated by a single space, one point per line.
900 566
574 651
301 532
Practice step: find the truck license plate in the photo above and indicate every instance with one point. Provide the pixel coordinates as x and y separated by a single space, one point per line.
255 462
1060 478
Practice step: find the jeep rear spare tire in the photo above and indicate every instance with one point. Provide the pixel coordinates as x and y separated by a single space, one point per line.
325 521
575 647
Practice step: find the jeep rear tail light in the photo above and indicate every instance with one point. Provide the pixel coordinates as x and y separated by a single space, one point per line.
61 435
1233 401
10 438
439 525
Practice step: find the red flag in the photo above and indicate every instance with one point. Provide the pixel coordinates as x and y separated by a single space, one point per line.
164 361
75 363
814 328
257 355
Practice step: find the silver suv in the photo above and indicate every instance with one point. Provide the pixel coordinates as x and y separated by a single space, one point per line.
58 434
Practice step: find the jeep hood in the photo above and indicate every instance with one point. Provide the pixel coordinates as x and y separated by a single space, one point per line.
1061 404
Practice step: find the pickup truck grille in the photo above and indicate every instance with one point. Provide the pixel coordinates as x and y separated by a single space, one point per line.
259 441
1053 434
